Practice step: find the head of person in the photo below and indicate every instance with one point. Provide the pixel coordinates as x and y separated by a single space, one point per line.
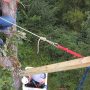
39 78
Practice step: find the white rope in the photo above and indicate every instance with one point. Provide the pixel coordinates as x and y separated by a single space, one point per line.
41 38
44 39
20 27
38 45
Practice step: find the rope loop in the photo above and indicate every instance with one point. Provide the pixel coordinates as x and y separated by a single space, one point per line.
43 39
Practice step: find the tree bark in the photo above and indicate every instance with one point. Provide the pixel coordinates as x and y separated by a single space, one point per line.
9 9
9 62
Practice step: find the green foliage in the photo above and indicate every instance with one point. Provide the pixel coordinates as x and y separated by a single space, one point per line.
29 57
74 18
3 36
61 21
6 80
35 18
66 22
38 15
85 33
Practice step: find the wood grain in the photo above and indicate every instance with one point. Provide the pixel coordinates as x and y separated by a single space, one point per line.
62 66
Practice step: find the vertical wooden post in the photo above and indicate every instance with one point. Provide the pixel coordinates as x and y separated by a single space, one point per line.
9 9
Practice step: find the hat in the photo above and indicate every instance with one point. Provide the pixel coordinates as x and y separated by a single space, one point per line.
39 77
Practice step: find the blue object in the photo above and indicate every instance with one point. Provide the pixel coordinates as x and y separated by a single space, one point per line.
3 28
4 24
1 42
80 87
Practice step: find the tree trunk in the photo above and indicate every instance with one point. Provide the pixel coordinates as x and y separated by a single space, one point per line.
9 9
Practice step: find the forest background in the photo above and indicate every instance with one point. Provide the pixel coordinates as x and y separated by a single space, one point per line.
66 22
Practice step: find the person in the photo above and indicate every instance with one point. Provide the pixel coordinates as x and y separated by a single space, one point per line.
35 81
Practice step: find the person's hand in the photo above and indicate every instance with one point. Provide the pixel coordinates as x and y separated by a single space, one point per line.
42 81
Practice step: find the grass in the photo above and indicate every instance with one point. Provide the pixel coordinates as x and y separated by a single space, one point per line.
28 57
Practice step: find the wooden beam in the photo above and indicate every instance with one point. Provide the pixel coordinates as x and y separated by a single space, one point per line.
62 66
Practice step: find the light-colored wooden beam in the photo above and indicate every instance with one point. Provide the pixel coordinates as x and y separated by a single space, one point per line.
62 66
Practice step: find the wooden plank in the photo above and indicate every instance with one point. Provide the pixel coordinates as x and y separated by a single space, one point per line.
62 66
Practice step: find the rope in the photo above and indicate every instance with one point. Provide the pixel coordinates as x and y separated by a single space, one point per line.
69 51
44 39
38 46
40 38
20 27
80 86
54 44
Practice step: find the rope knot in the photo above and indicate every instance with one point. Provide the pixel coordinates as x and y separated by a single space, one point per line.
43 38
40 38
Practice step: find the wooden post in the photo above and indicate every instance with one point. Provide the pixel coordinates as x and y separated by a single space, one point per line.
10 9
62 66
